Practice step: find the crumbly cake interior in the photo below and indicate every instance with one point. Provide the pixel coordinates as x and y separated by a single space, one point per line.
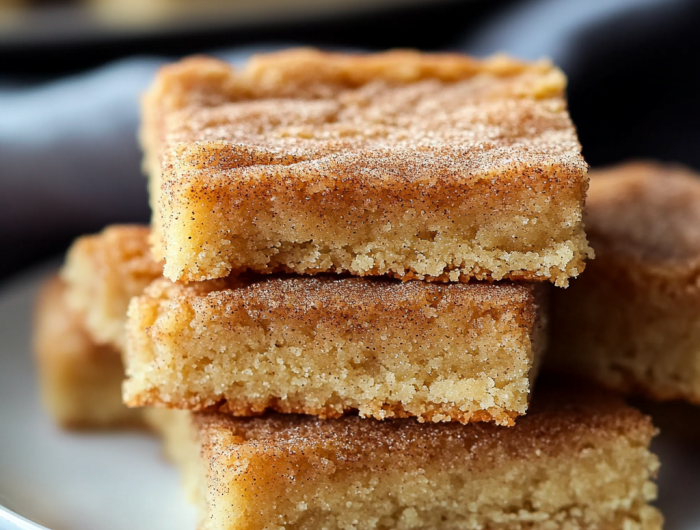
102 273
578 460
80 381
632 321
433 167
325 345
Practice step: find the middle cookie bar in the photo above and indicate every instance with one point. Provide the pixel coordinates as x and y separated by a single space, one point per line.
326 346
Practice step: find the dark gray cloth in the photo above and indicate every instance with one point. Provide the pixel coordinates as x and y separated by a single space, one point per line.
70 163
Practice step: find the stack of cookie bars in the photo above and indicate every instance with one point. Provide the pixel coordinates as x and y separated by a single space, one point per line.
338 313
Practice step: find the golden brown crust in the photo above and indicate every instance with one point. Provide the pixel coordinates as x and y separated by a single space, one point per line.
251 408
566 410
309 73
126 245
329 134
102 272
333 297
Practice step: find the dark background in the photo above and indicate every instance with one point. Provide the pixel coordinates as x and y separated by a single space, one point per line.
634 91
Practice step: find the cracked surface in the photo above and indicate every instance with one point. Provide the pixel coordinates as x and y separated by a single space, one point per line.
434 167
632 321
325 346
578 460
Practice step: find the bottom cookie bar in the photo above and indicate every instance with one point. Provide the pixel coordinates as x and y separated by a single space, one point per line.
578 460
80 381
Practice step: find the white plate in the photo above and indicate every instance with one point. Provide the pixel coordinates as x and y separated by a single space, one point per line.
72 481
118 481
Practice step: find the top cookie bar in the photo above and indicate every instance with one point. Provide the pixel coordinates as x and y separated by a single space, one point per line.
435 167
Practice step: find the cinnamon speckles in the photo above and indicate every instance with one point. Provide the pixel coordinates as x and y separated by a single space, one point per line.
570 409
327 346
578 460
312 162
